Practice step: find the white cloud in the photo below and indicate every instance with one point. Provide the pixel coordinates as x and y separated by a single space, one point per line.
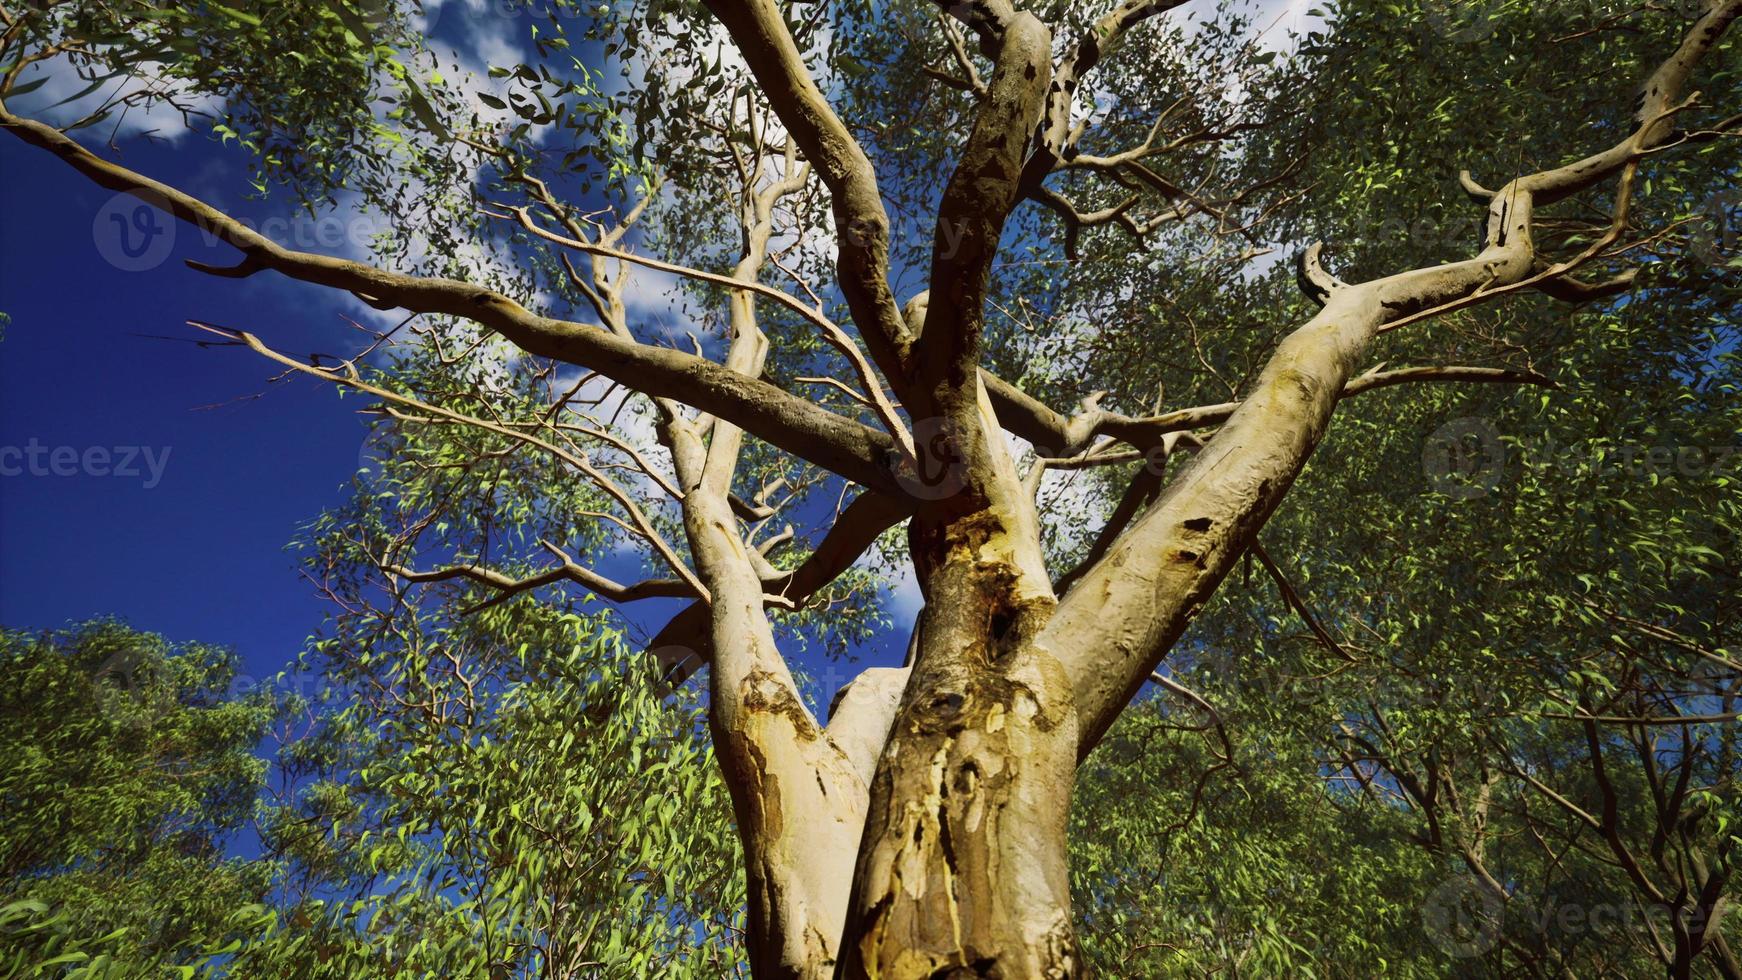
59 102
1277 20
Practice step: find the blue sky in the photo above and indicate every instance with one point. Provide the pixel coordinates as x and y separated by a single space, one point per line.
205 467
200 554
227 463
98 358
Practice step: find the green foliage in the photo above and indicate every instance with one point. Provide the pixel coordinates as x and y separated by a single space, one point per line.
534 809
322 94
128 770
551 814
1191 856
1491 563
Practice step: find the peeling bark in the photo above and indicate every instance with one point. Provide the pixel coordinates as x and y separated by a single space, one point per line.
963 870
922 832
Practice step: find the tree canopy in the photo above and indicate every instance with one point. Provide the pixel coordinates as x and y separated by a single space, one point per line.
1315 446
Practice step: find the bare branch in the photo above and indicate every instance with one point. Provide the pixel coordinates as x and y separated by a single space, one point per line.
759 29
837 337
569 570
348 378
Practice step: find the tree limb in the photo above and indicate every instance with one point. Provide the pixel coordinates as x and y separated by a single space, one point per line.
796 425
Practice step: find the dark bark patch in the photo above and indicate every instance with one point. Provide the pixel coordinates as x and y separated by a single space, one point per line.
1002 620
763 693
1412 304
967 778
948 704
765 789
984 967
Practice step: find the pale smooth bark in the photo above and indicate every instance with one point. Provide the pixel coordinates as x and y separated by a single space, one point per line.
921 832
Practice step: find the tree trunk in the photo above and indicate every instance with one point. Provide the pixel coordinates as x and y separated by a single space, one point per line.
963 867
962 870
798 833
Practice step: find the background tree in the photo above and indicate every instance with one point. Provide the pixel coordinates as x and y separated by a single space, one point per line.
447 806
507 791
884 268
568 825
1515 657
129 773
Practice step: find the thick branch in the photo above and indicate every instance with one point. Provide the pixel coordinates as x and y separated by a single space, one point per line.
794 424
1032 419
862 224
684 645
1125 613
978 198
1052 139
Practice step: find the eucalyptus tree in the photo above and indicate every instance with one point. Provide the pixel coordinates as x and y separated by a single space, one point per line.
441 803
464 807
873 313
1516 656
128 774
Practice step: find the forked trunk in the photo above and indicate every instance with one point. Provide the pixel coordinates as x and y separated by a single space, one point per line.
962 869
798 834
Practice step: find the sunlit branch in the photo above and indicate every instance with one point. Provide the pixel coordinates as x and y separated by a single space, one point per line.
348 378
